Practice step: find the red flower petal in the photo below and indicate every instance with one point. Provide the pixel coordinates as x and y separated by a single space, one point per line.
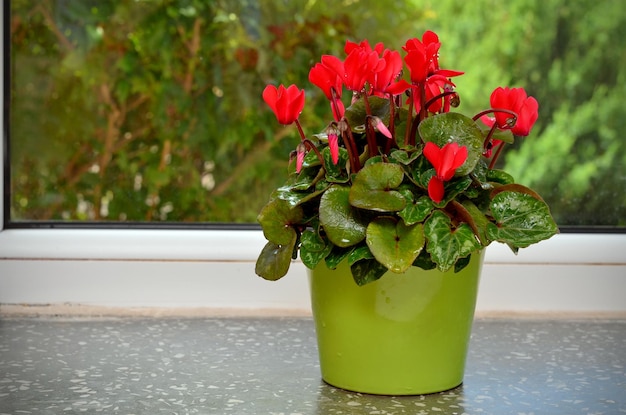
333 145
287 103
435 189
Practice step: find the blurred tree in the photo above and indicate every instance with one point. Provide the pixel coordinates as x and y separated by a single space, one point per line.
151 110
570 55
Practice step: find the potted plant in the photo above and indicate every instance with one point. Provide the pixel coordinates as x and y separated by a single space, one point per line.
390 206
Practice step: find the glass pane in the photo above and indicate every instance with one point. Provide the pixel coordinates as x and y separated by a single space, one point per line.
151 110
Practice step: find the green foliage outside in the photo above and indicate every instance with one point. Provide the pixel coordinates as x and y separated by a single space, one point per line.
151 110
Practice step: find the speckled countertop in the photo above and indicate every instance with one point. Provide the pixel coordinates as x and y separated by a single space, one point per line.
270 366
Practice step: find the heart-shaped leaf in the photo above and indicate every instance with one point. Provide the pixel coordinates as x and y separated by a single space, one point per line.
522 220
450 127
415 210
340 220
274 260
447 245
373 186
276 219
394 244
313 249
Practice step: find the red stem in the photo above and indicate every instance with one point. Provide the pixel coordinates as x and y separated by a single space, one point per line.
492 163
438 97
392 123
409 119
300 130
353 154
370 133
485 112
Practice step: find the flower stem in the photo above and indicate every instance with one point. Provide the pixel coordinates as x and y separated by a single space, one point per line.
392 124
300 130
368 109
424 108
409 118
488 137
309 145
490 110
334 106
492 163
353 154
370 133
438 97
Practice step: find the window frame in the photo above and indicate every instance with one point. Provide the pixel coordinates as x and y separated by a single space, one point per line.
109 265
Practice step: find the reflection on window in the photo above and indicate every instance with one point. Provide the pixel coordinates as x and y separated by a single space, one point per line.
151 110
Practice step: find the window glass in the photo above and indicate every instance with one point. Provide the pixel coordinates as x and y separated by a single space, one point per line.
151 110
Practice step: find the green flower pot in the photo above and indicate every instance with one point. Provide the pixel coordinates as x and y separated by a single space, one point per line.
405 334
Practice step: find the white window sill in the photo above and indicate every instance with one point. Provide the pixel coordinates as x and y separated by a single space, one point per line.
577 273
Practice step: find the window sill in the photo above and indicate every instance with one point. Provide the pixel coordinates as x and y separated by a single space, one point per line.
570 273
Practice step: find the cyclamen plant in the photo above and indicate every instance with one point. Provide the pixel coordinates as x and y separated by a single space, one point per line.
397 179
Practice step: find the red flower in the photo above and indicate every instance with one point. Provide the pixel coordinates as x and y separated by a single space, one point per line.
361 65
328 76
384 81
516 100
365 45
287 103
422 59
445 160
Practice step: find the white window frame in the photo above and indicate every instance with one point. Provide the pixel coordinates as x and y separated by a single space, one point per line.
214 270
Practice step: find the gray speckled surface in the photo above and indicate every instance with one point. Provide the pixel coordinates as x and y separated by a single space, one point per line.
269 366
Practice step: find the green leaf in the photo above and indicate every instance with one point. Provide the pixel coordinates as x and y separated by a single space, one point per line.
367 270
274 260
502 135
499 176
336 256
313 249
310 160
276 219
334 172
340 220
415 211
394 244
521 219
462 263
356 114
405 157
359 253
453 188
454 127
373 186
364 267
306 179
295 198
445 244
480 221
424 261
